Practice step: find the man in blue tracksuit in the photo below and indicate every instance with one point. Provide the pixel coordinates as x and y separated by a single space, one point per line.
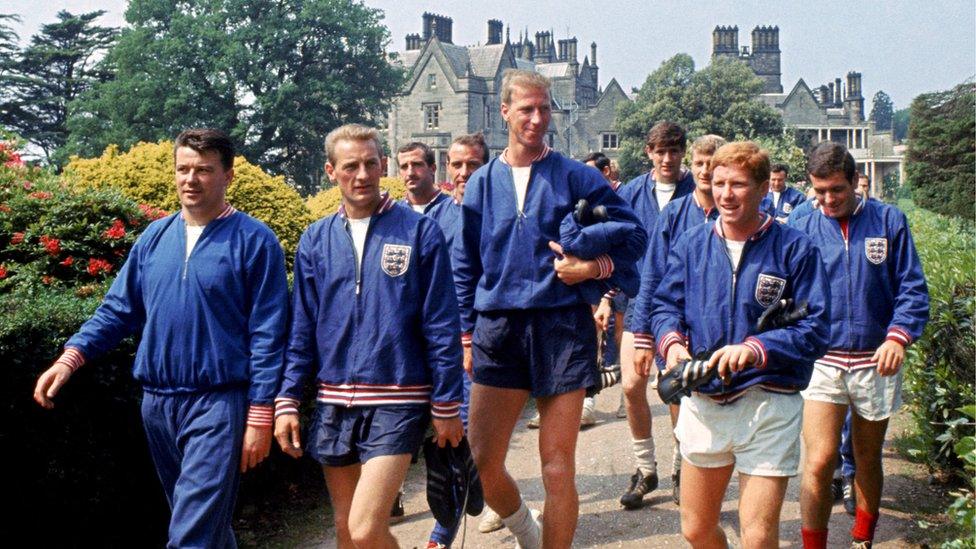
720 277
781 199
415 162
677 217
207 287
374 321
465 155
648 195
879 306
530 330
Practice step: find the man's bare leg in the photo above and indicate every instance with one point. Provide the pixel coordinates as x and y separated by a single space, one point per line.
635 391
822 422
558 432
341 482
361 499
493 414
760 503
702 492
868 438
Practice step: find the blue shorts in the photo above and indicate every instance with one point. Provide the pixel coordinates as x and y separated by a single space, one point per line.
544 351
339 436
619 302
629 315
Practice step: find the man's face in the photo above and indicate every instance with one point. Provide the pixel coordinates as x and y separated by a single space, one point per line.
777 182
357 171
462 161
699 170
201 180
736 195
604 172
836 194
528 115
863 187
667 161
416 173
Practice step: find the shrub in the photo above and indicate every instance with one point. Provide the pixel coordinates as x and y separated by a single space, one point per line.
145 173
326 202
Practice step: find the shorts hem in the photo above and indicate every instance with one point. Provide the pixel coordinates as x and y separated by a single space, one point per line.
761 472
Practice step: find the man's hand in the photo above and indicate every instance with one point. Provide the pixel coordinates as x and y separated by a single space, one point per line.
468 361
889 356
448 430
731 358
571 269
257 444
287 432
603 313
50 383
643 361
676 353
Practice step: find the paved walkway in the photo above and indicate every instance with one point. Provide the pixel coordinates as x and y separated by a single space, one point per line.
603 471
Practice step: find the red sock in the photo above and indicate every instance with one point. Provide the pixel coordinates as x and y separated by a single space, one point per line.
814 539
864 524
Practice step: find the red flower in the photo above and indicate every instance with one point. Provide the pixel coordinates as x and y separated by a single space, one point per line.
4 208
3 271
96 266
47 279
151 212
17 238
52 245
40 195
68 261
14 161
28 185
116 231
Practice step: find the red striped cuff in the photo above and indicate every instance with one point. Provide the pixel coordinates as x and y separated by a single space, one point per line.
667 341
606 266
898 335
466 339
72 358
612 293
284 405
445 410
643 341
260 415
759 349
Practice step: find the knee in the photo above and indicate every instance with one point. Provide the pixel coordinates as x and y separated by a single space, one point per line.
635 388
367 532
760 535
819 464
697 532
558 474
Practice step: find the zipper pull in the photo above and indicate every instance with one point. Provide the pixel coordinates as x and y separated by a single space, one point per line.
357 287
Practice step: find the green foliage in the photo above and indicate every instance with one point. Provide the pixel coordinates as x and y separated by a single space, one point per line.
145 173
783 149
57 67
882 111
719 99
963 508
899 124
326 202
276 75
942 151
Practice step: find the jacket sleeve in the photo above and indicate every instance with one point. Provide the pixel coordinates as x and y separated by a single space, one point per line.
441 323
911 310
121 313
652 271
807 339
630 245
466 252
668 306
301 353
267 285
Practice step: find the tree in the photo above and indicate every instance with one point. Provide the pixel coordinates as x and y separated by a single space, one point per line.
899 124
58 65
8 42
882 111
276 75
942 150
719 99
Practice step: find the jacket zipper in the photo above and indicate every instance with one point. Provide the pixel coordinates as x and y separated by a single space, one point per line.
186 256
850 293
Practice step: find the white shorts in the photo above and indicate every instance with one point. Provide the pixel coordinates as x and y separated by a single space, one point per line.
872 396
759 432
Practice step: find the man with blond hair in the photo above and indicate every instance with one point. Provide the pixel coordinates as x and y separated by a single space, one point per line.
720 277
374 320
527 330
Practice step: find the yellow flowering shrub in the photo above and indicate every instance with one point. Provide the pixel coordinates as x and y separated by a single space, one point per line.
327 202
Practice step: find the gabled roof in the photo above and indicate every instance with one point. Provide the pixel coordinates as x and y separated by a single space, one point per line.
613 92
485 60
554 70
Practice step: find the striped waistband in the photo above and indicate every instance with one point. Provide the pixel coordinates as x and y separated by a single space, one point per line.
731 398
847 360
355 394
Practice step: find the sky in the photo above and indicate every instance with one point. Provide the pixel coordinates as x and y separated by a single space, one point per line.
899 46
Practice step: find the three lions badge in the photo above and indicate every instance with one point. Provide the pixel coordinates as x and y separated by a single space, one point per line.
876 250
769 289
395 259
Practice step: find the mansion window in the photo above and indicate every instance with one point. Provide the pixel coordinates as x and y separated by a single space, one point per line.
611 140
432 116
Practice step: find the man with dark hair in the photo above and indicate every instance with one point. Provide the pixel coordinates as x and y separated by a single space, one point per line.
648 195
782 198
527 330
879 306
720 278
600 161
374 319
864 186
418 169
207 289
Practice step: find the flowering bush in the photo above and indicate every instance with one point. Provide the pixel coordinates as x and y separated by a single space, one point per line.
327 202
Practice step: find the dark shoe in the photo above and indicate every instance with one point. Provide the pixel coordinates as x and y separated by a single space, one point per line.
396 514
837 489
850 500
639 486
676 488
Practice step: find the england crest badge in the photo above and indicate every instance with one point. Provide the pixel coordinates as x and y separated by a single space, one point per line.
395 259
769 289
876 250
787 208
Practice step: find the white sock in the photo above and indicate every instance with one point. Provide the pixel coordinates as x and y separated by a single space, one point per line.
644 455
524 527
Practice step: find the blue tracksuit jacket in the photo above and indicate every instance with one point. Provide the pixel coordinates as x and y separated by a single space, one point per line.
639 194
704 303
438 199
385 332
789 199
